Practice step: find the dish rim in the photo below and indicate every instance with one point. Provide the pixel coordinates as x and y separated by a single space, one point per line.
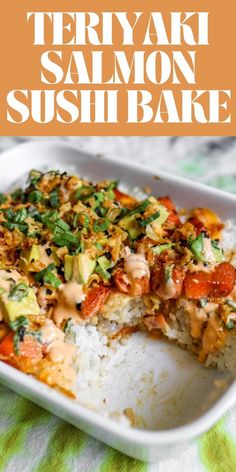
12 378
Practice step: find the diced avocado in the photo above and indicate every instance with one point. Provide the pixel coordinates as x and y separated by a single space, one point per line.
68 267
131 225
163 215
37 253
33 254
78 268
104 262
196 247
103 265
25 307
55 258
217 251
210 253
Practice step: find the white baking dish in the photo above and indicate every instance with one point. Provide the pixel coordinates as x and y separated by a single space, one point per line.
176 397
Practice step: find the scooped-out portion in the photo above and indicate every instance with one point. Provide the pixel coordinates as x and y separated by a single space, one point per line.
84 265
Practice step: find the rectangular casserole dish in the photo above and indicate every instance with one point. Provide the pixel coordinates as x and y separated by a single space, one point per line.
181 399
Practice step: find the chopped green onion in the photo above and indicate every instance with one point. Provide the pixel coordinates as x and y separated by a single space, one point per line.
2 290
19 195
140 208
39 276
64 238
21 321
150 219
35 196
46 276
3 198
98 197
15 220
113 184
54 198
11 226
85 219
34 177
102 224
101 211
110 195
80 247
49 219
83 192
20 215
34 213
18 292
51 279
53 222
106 275
62 225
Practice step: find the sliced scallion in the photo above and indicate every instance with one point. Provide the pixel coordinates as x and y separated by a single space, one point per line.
106 275
18 292
140 208
54 198
150 219
102 224
46 276
20 321
3 198
35 196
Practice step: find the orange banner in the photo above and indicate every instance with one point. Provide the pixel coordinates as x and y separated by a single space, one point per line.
117 68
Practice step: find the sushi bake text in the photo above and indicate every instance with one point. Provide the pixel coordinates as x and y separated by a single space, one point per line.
119 67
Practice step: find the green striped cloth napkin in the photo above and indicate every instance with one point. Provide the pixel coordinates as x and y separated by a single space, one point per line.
33 440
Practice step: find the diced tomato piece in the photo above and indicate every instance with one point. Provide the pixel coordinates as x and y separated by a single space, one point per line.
28 348
173 218
167 203
224 278
124 198
198 285
172 221
210 221
198 225
6 346
94 301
